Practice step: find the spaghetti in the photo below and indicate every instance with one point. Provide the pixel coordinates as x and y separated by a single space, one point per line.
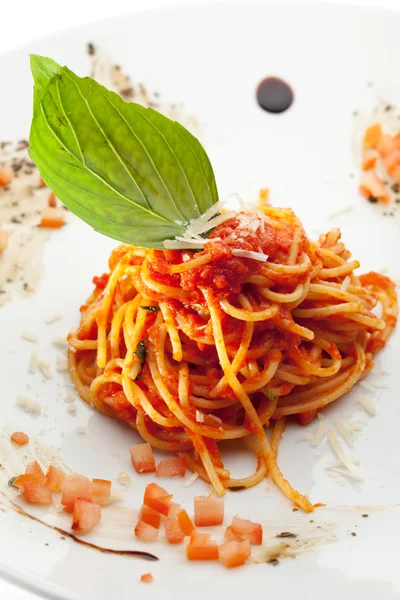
193 348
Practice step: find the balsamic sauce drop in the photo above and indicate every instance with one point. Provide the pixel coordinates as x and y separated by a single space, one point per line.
274 95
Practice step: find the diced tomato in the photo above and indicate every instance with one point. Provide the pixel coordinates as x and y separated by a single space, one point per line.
150 516
243 529
157 498
173 509
34 467
101 282
372 136
86 515
201 547
52 218
172 467
6 176
146 532
75 487
147 578
372 186
54 479
173 531
19 438
52 200
306 417
142 458
26 477
208 510
369 159
234 554
36 493
185 522
391 161
101 491
386 145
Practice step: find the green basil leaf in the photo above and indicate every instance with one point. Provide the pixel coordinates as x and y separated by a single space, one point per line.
128 171
141 352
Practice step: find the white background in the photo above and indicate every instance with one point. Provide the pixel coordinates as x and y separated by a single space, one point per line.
27 20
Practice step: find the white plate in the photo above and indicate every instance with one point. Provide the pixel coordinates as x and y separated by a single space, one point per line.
212 58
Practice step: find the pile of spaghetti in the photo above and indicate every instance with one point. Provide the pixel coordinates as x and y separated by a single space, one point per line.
254 325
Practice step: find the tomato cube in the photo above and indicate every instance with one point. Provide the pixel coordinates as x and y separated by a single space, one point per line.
101 491
146 532
142 458
75 487
86 516
208 511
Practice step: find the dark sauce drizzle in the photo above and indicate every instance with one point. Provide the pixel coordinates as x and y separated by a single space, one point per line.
136 553
274 95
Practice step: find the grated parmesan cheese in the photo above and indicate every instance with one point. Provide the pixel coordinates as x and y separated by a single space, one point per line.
345 431
367 386
250 254
60 342
191 480
53 318
33 362
367 405
72 408
117 495
342 455
320 431
199 417
80 429
28 336
62 364
124 479
69 397
44 366
29 405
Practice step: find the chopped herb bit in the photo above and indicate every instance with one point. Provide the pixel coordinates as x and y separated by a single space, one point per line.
286 534
141 351
269 394
365 515
273 561
295 509
91 49
11 482
311 520
353 533
151 308
372 199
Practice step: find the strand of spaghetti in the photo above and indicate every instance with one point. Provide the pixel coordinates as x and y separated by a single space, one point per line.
202 430
209 467
243 348
82 344
273 468
282 298
104 315
116 324
170 445
172 332
344 269
183 384
309 368
277 434
294 249
161 288
246 315
262 379
194 263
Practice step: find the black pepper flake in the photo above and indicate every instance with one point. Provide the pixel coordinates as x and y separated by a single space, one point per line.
151 308
273 561
46 544
286 534
2 291
311 520
395 188
388 107
25 286
22 215
127 91
355 113
391 214
372 199
17 166
91 49
62 537
15 220
397 200
353 533
11 482
365 515
295 509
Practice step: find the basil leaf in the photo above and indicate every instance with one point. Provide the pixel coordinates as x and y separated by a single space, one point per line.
128 171
151 308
